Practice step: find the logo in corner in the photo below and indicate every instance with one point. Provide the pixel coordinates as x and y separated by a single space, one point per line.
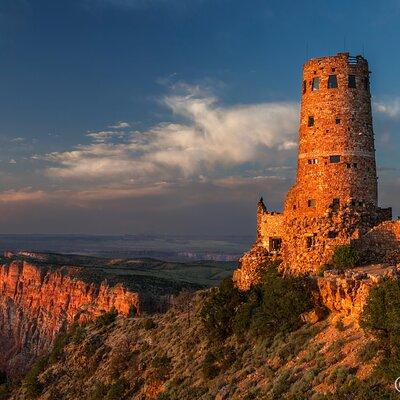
397 384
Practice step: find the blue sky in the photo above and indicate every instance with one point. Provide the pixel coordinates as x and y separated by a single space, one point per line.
171 116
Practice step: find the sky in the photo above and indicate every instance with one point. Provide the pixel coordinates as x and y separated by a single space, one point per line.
172 116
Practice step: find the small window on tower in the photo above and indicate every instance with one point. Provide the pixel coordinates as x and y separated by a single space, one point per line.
310 241
304 86
311 202
334 159
337 121
332 234
352 81
335 204
366 83
315 83
332 82
275 244
313 161
311 121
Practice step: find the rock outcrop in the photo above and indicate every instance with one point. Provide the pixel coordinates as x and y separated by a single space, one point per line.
36 302
345 294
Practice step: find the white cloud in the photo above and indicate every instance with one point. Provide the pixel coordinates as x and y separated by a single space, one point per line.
120 125
389 107
204 138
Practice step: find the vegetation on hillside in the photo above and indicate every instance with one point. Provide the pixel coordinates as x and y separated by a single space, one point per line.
226 343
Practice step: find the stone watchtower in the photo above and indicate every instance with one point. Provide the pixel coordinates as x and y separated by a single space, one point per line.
336 159
334 199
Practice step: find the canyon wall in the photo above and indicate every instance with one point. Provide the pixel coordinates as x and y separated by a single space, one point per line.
36 302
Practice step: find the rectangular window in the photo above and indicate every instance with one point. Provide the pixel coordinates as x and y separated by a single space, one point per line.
337 121
352 81
312 161
335 204
334 159
332 234
311 121
366 83
311 202
310 241
315 83
332 82
275 244
304 86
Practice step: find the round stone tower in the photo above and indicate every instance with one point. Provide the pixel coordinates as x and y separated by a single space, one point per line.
334 199
336 160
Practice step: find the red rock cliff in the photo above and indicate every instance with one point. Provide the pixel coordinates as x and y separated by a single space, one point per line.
35 303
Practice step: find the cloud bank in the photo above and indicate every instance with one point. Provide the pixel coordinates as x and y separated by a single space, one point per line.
204 138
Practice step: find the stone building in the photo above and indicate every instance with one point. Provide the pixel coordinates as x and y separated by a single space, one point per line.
334 200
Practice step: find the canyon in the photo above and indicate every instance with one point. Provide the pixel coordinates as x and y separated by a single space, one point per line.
42 294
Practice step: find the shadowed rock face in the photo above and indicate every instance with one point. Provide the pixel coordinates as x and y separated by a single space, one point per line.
37 302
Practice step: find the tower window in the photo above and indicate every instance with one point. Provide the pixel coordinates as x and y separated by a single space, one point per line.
334 159
310 241
366 83
311 202
304 86
352 81
315 83
311 121
335 204
332 82
313 161
275 244
337 121
332 234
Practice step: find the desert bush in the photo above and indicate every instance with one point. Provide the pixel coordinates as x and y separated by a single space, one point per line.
381 316
117 389
368 351
33 386
161 366
345 257
272 307
219 310
106 319
149 324
99 392
339 325
93 344
354 389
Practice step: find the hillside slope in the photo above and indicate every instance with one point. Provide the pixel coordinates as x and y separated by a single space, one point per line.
165 357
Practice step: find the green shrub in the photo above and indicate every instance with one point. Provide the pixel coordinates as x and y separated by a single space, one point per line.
33 386
209 366
93 344
106 319
273 306
368 351
99 392
149 324
161 366
381 316
283 300
339 325
117 389
132 312
219 310
345 257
